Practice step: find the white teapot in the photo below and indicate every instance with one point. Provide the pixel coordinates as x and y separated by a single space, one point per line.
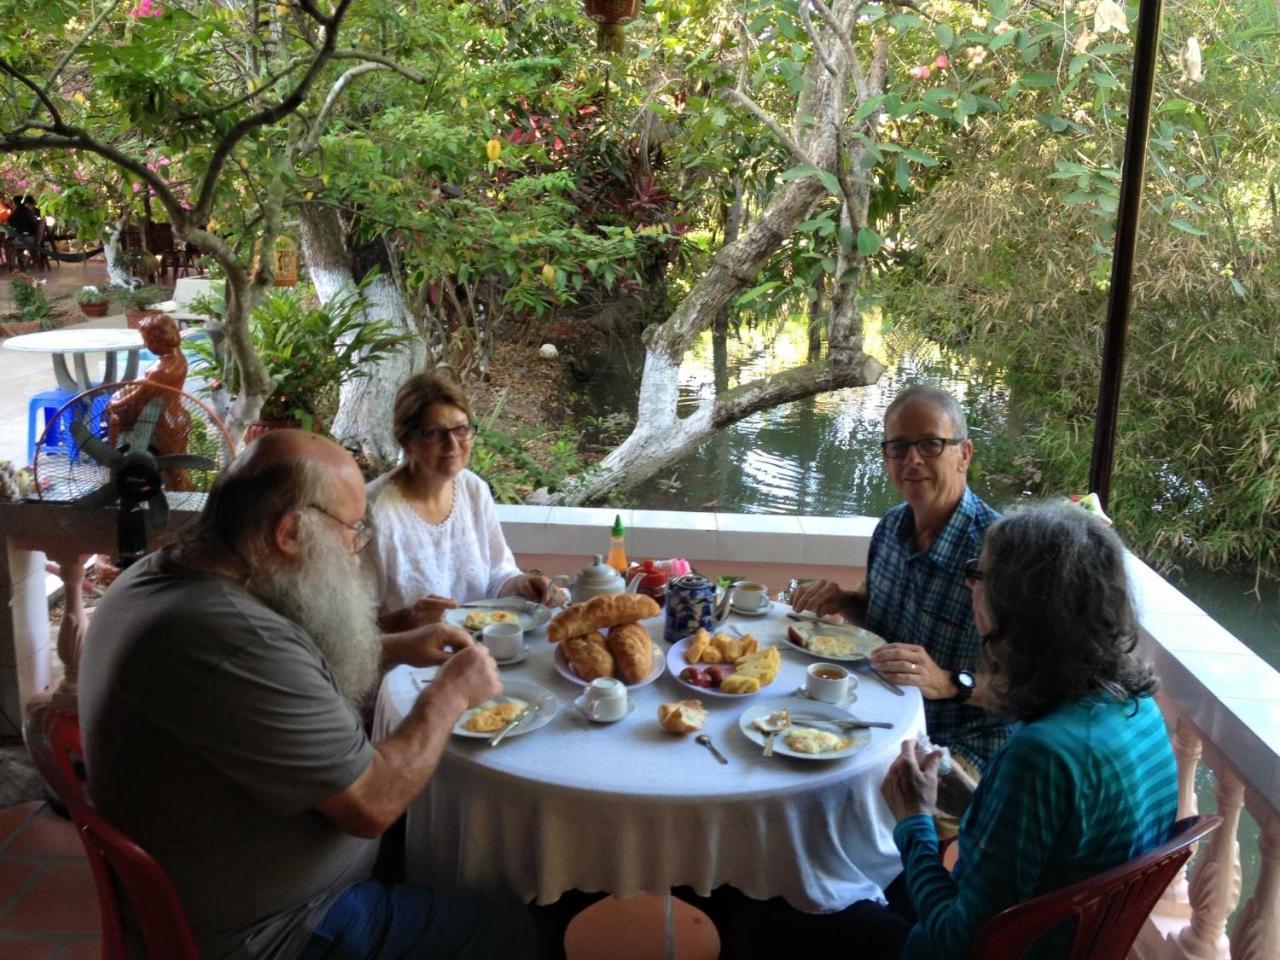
595 580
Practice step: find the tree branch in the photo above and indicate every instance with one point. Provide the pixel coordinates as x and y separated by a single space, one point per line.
26 81
842 35
270 115
757 111
387 62
66 58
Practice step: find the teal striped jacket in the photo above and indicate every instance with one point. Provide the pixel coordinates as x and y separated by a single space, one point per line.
1067 796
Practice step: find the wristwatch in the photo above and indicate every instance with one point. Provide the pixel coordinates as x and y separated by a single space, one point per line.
963 679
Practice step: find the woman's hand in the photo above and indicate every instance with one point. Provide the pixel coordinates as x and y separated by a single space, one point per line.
535 587
911 785
909 664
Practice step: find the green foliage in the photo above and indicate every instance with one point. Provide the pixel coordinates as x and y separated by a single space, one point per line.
31 302
139 298
309 351
91 294
518 462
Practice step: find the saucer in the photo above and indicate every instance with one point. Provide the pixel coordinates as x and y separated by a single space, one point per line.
512 661
759 611
852 696
582 711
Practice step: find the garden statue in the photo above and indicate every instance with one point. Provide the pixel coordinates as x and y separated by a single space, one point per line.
161 337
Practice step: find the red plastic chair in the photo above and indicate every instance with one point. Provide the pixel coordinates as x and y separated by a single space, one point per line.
119 865
1110 908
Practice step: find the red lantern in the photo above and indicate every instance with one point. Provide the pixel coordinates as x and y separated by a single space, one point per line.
610 17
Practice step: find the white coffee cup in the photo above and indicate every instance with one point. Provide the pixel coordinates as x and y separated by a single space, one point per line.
750 595
606 699
504 640
828 682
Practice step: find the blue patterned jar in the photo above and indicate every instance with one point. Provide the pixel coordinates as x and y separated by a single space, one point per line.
691 603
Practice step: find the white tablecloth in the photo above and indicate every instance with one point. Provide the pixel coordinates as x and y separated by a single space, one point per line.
628 807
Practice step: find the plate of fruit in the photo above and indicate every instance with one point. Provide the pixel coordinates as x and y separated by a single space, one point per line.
723 666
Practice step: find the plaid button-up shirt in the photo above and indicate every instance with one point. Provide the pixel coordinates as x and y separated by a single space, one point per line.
916 597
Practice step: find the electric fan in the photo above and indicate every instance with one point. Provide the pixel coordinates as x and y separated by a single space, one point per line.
150 449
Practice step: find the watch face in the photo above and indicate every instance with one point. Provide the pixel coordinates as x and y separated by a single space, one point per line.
964 679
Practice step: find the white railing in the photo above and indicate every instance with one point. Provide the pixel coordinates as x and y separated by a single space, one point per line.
1220 700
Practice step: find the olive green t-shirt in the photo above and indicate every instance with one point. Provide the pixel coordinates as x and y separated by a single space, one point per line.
213 729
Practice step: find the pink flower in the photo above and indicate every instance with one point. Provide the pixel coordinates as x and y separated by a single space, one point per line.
942 61
921 72
147 8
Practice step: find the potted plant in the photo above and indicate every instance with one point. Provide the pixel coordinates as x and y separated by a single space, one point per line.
93 302
137 300
310 350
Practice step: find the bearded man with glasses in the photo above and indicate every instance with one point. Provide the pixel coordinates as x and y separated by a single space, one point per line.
915 594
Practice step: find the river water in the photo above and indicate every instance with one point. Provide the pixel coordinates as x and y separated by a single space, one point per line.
821 456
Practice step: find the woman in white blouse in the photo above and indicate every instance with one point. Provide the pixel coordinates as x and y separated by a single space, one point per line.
437 541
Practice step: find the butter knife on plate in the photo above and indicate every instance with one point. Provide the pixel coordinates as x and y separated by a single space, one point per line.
843 724
817 619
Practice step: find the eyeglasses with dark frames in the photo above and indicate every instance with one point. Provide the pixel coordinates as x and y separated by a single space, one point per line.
435 436
972 571
928 446
363 529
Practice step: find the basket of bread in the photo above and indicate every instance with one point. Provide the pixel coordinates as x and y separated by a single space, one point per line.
602 637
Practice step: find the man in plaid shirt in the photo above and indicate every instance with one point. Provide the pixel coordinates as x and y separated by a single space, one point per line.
915 594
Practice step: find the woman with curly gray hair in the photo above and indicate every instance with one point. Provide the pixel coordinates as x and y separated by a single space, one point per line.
1086 781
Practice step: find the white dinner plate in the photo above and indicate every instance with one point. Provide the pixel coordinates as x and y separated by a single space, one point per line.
565 670
678 663
863 639
531 616
812 708
515 690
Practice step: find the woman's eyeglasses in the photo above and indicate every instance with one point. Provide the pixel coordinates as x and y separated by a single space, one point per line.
435 436
928 446
972 571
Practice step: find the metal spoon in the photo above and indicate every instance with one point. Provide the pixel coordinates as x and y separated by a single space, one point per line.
772 724
703 739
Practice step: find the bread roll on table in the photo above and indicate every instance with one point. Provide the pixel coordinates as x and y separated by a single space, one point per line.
599 613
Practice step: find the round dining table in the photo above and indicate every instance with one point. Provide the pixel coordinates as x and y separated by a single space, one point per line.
77 343
627 807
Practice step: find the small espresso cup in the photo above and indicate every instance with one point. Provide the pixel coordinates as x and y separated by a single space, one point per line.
828 682
606 699
750 595
504 640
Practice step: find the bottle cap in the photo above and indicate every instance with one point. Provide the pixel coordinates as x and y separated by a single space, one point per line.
617 525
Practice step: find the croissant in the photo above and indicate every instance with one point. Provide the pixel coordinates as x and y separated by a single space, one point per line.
600 612
589 657
632 652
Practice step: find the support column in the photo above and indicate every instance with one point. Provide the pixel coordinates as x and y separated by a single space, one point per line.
24 632
1257 932
1215 879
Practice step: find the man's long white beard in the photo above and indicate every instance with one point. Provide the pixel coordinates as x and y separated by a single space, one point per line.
326 596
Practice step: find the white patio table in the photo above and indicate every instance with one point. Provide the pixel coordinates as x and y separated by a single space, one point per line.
627 807
76 343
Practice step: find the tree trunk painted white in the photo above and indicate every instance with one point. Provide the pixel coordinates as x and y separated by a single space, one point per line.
816 133
117 272
363 423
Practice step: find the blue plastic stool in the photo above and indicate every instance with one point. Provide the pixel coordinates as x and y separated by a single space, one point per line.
58 437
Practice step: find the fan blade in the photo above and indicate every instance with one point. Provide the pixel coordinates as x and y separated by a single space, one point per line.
104 496
102 453
140 435
159 507
131 533
185 461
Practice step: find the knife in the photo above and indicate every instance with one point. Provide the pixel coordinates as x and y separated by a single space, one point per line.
844 724
814 618
505 603
870 668
520 718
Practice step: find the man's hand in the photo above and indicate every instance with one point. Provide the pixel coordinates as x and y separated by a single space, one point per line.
909 664
430 609
470 676
823 597
911 785
535 587
425 646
